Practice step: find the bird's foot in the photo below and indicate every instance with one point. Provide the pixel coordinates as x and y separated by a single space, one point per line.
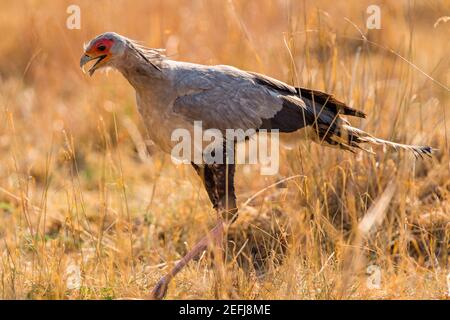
215 236
160 290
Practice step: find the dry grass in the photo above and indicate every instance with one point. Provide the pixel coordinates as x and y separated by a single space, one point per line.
84 215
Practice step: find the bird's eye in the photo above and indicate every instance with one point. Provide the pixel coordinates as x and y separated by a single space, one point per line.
101 48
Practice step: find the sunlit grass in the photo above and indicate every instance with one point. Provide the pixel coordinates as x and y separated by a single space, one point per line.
86 212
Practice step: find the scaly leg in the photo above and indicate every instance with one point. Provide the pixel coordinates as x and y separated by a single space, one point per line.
219 183
214 236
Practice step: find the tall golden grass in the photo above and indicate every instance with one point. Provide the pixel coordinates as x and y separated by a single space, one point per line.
86 212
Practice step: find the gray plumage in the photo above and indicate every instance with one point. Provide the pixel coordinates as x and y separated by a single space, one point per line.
172 94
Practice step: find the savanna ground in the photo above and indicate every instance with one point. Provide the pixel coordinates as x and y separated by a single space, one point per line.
87 211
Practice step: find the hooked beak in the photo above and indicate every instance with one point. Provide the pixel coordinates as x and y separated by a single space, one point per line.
86 58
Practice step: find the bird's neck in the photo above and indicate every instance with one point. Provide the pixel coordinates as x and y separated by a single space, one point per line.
138 72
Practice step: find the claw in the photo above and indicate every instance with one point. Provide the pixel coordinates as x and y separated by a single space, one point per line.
160 290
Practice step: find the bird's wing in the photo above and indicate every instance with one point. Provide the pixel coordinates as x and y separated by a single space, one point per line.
309 96
224 97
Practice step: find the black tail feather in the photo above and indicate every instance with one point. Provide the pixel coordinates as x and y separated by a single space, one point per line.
327 100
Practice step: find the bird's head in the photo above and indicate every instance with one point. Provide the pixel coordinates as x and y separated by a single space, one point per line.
105 49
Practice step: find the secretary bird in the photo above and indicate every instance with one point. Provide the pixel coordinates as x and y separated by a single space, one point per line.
172 94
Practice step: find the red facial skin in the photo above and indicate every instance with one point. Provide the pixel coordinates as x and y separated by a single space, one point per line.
95 51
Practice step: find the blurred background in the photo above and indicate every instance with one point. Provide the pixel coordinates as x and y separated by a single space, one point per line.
89 208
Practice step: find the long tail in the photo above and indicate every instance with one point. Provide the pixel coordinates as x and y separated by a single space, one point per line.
356 137
335 131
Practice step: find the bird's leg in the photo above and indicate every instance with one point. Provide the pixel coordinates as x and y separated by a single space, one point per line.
216 234
206 174
218 180
223 175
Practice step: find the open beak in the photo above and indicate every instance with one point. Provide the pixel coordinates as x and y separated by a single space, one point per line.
86 58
